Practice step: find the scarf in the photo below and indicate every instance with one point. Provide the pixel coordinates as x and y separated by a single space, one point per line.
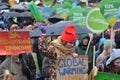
60 49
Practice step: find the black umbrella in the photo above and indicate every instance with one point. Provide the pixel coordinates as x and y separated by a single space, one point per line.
57 29
35 33
18 7
11 14
26 14
55 19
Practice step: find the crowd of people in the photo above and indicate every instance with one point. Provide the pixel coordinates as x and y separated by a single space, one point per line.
40 64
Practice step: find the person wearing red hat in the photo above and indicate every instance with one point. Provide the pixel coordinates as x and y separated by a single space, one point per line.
62 46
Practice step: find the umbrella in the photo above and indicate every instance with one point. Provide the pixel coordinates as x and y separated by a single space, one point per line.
25 14
55 19
57 28
4 7
35 33
18 7
11 14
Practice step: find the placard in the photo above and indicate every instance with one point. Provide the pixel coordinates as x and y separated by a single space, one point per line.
70 68
15 42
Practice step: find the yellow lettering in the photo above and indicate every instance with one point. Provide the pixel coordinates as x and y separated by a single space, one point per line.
13 35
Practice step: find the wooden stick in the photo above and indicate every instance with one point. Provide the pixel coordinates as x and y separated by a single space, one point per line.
93 55
88 45
112 33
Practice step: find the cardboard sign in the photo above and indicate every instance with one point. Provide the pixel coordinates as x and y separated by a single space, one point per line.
69 68
107 76
15 42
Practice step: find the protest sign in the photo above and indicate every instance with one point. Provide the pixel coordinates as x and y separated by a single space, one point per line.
96 22
15 42
109 9
70 68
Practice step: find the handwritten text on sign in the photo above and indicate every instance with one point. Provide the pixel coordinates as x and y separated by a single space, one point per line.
69 68
15 42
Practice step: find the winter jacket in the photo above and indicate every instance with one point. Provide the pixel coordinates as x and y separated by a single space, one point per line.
81 50
22 70
56 49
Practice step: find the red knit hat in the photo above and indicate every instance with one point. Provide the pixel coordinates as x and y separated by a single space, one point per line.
69 34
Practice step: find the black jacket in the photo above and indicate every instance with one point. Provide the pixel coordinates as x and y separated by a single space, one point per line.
28 66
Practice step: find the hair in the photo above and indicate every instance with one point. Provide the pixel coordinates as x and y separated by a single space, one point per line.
100 48
112 66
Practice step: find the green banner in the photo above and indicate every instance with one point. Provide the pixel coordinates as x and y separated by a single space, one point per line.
107 76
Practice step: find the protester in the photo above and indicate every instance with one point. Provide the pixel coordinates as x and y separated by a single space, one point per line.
82 47
21 66
62 46
100 47
112 64
117 39
108 46
14 27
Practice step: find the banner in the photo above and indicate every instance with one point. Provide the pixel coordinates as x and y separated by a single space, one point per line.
107 76
15 42
70 68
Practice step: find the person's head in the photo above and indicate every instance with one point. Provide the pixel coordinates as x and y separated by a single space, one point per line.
101 44
85 40
14 27
109 44
15 56
113 63
29 27
69 36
